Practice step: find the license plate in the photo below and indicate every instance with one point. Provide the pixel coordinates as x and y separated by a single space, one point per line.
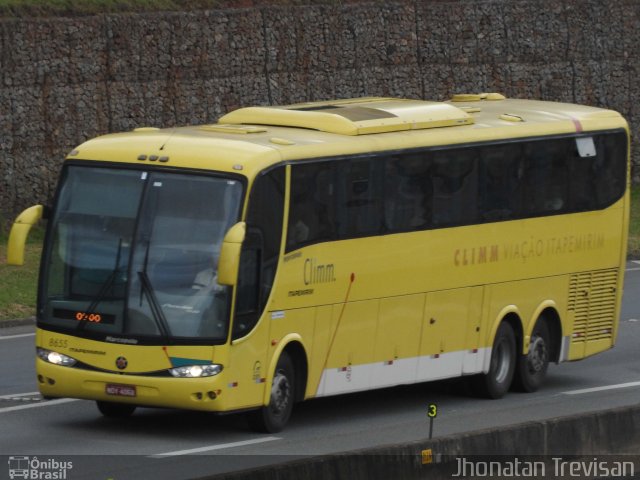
120 390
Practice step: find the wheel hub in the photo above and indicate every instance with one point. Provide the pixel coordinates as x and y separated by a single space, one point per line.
501 362
537 357
280 393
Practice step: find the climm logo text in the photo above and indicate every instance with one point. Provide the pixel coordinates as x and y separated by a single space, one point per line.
476 255
315 272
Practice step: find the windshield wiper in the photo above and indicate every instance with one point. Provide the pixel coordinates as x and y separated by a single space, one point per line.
103 289
156 309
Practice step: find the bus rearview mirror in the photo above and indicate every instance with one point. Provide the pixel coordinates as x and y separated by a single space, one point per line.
230 254
19 233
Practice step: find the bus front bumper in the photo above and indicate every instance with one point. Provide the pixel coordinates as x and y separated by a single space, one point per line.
207 393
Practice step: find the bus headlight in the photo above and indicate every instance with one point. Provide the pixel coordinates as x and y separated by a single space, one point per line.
55 357
196 371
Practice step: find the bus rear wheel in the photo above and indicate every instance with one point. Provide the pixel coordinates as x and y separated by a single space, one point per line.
115 410
496 382
272 418
532 367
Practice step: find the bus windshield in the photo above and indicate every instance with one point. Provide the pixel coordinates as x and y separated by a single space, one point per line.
134 253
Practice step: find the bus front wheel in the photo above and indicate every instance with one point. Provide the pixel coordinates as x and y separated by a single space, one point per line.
532 367
115 410
496 382
273 417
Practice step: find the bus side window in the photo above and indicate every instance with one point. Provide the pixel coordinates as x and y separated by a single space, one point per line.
360 197
312 204
547 175
501 182
408 193
598 181
455 187
584 180
260 250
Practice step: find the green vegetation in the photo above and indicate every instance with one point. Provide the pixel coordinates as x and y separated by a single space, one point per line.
18 284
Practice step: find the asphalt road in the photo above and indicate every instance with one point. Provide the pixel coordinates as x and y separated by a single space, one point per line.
167 444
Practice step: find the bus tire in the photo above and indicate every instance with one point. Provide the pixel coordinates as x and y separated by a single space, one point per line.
115 410
532 368
272 418
497 381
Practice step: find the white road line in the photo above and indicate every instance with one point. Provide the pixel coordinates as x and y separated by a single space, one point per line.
215 447
47 403
632 269
11 337
20 395
600 389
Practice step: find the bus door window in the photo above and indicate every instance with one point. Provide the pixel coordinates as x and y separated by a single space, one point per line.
501 182
248 291
408 193
260 250
455 187
360 198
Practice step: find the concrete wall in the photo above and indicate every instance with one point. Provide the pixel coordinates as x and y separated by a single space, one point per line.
64 80
608 436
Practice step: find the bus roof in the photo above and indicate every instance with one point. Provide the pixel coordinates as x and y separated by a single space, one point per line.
250 139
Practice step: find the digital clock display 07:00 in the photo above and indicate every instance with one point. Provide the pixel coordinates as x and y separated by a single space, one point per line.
81 316
89 317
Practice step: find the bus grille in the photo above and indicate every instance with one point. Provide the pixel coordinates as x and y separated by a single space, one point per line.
592 299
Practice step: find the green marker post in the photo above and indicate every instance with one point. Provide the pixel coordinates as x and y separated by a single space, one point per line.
432 412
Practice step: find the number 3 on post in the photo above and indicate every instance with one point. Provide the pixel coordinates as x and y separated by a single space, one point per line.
432 412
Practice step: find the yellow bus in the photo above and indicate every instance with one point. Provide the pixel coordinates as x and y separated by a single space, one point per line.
293 252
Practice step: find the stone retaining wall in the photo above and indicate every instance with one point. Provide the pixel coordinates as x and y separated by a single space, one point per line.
64 80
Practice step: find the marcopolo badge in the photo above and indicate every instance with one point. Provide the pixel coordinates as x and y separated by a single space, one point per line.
121 363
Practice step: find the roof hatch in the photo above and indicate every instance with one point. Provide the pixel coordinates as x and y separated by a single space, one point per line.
355 116
241 129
